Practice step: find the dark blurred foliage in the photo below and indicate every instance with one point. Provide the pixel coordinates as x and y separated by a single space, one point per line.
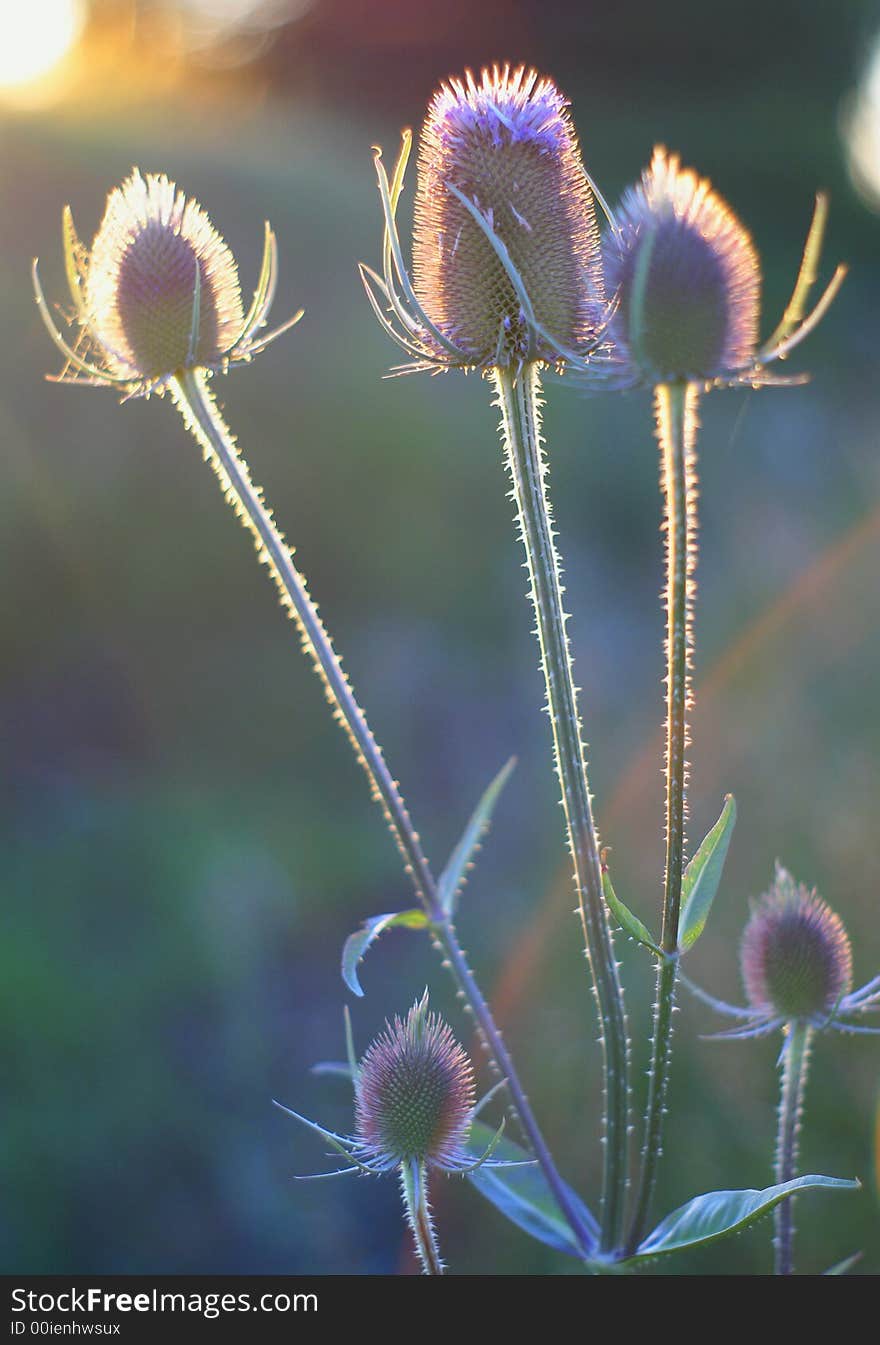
187 840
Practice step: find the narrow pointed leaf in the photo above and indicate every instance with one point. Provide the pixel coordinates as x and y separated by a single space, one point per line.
523 1195
74 255
453 876
339 1068
702 876
712 1216
351 1058
357 944
631 924
845 1266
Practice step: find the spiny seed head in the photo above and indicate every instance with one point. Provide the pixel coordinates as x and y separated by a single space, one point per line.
796 956
506 142
141 280
685 276
415 1091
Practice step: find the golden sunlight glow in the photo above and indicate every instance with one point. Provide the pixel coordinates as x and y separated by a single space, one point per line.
36 36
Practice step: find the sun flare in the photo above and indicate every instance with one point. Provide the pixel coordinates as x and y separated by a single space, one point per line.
37 36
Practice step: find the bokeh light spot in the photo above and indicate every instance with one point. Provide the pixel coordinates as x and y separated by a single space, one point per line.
37 35
861 129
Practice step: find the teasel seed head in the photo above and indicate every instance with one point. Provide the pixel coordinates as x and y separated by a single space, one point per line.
506 258
506 142
686 276
158 292
142 277
415 1093
795 954
683 281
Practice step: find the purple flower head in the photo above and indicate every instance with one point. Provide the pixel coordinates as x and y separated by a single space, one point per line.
414 1105
158 293
795 954
506 259
796 963
686 275
415 1093
142 274
684 279
414 1102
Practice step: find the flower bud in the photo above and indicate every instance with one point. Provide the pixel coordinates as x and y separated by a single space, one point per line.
506 143
795 955
685 276
415 1092
141 282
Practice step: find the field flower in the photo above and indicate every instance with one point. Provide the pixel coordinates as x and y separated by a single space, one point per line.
414 1101
157 294
506 261
796 961
414 1104
686 280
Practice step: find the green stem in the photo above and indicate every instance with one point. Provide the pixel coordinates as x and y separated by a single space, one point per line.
519 400
202 417
795 1067
676 413
414 1187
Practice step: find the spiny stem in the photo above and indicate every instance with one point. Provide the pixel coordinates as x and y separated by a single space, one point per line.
676 412
414 1186
519 400
202 417
795 1066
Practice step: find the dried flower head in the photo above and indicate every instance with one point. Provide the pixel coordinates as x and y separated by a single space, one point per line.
158 293
686 281
796 962
506 261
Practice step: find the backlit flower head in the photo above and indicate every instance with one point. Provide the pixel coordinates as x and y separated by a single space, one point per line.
686 280
795 954
414 1101
415 1092
506 261
157 293
796 963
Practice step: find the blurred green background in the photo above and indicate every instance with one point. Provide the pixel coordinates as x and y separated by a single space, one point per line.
186 839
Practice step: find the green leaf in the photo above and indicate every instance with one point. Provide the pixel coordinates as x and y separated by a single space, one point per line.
452 878
524 1196
707 1218
702 876
357 944
628 922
